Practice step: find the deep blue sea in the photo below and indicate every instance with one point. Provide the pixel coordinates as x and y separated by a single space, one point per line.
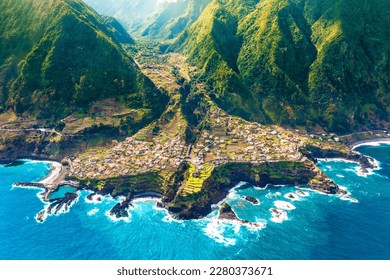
312 226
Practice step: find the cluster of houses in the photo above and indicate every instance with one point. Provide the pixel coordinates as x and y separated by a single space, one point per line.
233 139
132 156
227 139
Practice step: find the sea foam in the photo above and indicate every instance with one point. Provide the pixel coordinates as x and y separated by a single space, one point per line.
284 205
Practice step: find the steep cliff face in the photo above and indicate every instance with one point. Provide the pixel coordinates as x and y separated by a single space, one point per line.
296 62
225 177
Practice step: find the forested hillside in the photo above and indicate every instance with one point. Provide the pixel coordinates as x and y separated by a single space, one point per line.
296 62
57 57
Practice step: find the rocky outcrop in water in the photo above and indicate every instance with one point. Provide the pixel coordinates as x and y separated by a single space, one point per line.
252 200
62 203
226 213
121 210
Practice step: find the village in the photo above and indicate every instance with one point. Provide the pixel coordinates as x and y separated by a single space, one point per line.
228 139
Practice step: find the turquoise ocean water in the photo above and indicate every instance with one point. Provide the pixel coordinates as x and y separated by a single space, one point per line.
316 226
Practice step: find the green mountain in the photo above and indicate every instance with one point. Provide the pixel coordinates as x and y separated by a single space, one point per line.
173 18
153 19
58 57
295 62
130 13
118 30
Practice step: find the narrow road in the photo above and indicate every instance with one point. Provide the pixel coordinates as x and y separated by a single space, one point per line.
42 130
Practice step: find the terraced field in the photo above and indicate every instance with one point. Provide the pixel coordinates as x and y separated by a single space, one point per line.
196 178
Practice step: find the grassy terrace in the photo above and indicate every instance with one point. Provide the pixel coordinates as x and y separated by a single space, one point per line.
195 178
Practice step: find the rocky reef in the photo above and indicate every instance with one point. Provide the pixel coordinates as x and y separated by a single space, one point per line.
57 205
226 213
62 203
121 210
252 200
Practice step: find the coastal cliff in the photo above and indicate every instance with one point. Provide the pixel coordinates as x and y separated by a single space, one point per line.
216 184
225 177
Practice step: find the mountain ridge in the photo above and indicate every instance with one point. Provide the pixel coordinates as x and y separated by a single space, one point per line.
54 75
286 57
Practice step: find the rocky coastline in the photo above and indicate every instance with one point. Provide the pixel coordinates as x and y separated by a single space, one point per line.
216 187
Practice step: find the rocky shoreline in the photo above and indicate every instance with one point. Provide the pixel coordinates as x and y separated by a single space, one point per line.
216 187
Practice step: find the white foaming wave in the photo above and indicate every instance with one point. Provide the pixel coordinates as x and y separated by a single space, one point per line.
13 186
278 216
95 199
292 196
146 199
359 171
260 189
370 171
115 219
93 212
240 184
302 193
340 176
138 201
233 195
273 195
348 198
284 205
373 143
215 229
335 160
256 226
168 218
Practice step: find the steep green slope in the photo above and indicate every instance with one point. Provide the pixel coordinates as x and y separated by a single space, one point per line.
164 14
173 18
153 19
58 57
213 44
304 62
118 30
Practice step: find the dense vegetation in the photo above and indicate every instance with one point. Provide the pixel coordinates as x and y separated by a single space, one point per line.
296 62
58 57
172 19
